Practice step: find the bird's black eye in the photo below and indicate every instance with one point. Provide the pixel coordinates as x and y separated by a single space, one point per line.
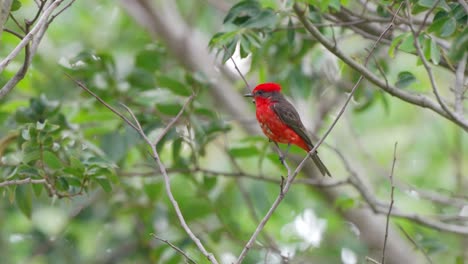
259 92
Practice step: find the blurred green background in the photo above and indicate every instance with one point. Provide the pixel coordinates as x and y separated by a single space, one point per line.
109 195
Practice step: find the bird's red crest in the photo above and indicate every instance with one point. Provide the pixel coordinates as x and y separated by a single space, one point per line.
268 87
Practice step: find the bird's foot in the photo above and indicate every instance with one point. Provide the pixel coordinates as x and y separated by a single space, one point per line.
282 159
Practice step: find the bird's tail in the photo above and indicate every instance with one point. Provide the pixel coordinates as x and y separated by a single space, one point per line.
322 168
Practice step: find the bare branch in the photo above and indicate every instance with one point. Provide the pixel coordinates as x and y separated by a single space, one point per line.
291 176
237 69
429 260
459 90
161 166
175 248
452 115
40 24
29 42
391 203
416 99
23 181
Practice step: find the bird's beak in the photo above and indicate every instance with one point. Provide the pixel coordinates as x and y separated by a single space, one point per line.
250 95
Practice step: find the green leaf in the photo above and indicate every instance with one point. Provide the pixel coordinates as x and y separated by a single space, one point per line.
37 188
149 59
243 152
405 78
153 190
15 5
141 78
435 52
395 43
23 199
62 184
31 156
173 85
209 182
105 183
448 27
52 161
241 11
459 46
168 109
266 18
290 32
345 203
430 3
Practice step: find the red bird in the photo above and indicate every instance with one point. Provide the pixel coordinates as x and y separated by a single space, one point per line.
280 121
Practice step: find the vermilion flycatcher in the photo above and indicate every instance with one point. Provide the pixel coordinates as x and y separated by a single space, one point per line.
280 121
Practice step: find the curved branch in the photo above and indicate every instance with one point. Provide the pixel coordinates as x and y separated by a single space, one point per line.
416 99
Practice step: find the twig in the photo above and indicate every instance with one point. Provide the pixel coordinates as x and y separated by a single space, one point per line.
429 260
237 69
23 181
391 203
459 82
41 23
369 259
171 124
161 166
416 99
311 182
435 89
18 35
60 11
175 248
102 101
34 36
291 176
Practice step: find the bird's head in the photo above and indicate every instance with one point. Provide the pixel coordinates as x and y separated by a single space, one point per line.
265 91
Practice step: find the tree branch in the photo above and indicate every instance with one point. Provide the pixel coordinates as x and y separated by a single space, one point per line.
23 181
416 99
161 166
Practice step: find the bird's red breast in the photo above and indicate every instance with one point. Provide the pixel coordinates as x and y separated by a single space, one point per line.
273 127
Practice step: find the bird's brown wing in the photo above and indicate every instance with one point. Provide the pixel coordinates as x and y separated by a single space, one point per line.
289 115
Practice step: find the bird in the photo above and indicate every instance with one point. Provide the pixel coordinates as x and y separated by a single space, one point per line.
280 121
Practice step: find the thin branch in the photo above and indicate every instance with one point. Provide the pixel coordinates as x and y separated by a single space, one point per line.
391 204
162 168
435 89
459 82
312 182
175 248
40 24
18 35
416 99
172 123
174 203
23 181
237 69
292 176
30 43
102 101
371 260
60 11
17 23
31 22
429 260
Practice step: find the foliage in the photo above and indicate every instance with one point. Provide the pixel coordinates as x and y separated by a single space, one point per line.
99 194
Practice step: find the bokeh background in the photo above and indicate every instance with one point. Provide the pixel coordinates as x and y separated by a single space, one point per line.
107 198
